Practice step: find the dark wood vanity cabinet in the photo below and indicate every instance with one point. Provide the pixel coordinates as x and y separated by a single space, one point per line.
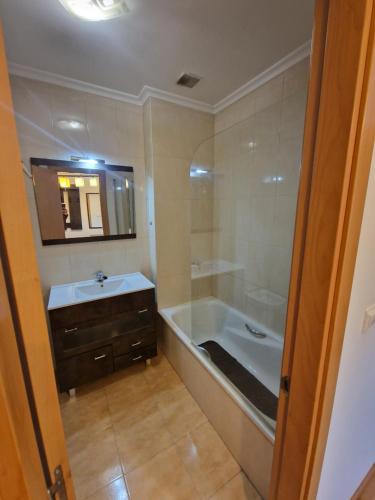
95 338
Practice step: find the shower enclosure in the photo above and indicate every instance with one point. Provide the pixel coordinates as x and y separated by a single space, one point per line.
244 186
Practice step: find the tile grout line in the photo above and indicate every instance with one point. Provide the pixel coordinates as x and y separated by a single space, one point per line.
228 480
115 440
225 483
125 473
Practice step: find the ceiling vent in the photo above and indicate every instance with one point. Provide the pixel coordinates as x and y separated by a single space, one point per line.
188 80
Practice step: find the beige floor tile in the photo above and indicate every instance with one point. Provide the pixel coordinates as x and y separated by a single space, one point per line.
162 478
161 376
94 461
114 491
129 381
142 440
207 459
131 401
87 413
181 413
238 488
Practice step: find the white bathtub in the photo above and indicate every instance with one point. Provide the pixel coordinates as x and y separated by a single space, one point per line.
212 319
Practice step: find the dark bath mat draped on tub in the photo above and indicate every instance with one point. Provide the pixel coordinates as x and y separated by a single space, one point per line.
251 388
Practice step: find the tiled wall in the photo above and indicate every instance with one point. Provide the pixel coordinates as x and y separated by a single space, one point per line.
173 133
115 133
257 152
242 211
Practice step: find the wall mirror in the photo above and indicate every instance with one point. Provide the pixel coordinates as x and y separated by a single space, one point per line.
81 201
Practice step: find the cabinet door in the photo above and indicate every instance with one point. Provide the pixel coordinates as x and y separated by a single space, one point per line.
84 368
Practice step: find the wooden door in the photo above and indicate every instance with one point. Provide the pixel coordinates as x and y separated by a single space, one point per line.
48 201
75 215
338 141
21 468
27 303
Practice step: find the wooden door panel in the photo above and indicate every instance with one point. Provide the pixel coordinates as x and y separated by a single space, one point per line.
24 276
47 196
23 476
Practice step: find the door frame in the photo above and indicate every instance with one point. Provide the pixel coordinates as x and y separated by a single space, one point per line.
339 133
338 143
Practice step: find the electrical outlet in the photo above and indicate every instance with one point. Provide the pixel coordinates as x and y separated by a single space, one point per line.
369 318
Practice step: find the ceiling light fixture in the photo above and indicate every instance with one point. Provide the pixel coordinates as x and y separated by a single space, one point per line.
70 124
95 10
79 182
64 182
93 182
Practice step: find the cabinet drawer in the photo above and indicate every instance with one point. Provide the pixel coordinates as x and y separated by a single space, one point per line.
132 341
139 355
70 341
98 311
84 368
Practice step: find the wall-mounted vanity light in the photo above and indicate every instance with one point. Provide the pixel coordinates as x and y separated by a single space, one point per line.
93 181
89 161
79 182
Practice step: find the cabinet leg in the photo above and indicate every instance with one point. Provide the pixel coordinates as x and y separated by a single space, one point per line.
148 362
72 393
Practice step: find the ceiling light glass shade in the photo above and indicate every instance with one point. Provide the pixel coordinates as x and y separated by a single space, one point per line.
64 182
70 124
95 10
79 182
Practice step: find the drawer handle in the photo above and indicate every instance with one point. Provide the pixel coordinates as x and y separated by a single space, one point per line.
70 330
100 357
137 343
137 358
142 311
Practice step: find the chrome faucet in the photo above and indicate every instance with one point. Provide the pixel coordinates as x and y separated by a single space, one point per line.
100 277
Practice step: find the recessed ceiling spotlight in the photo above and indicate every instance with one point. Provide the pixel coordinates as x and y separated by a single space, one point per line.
95 10
70 124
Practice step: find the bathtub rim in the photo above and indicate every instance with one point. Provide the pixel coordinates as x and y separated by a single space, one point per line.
166 314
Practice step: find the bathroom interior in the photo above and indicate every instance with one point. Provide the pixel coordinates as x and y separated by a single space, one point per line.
163 216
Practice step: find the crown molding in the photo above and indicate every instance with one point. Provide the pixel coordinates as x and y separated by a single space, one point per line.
275 70
175 99
139 100
70 83
147 91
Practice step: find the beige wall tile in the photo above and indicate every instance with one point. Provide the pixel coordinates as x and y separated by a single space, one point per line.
173 138
114 131
257 155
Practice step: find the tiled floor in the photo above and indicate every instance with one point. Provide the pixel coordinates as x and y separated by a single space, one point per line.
139 434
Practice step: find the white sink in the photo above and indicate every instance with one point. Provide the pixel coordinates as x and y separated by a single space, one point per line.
86 291
109 286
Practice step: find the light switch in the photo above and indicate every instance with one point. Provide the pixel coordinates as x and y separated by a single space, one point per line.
369 318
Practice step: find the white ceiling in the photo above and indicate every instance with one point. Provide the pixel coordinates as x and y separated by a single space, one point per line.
226 42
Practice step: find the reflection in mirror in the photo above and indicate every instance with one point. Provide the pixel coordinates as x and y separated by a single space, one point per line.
83 202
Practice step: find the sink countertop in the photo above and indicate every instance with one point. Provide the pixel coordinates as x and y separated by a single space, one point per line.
75 293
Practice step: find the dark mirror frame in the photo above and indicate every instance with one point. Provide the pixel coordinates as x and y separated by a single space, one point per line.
75 166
